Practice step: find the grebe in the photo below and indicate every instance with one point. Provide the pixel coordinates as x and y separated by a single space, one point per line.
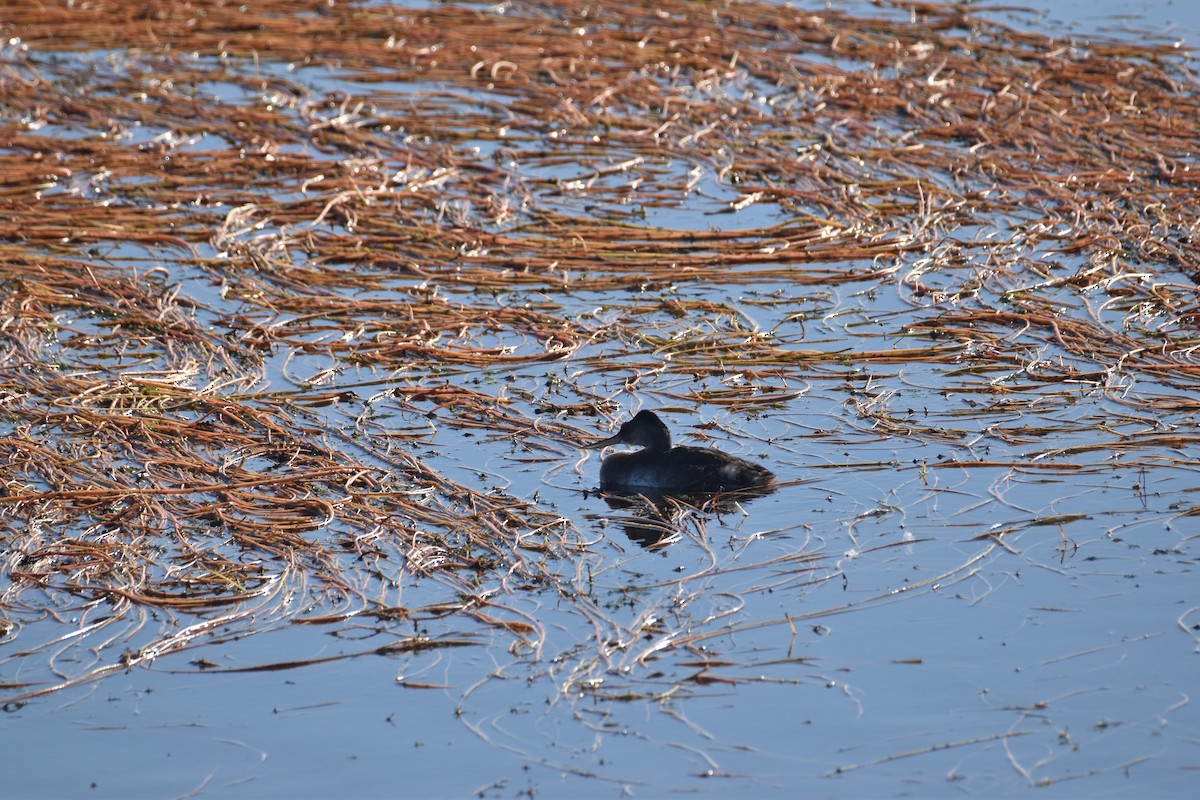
660 466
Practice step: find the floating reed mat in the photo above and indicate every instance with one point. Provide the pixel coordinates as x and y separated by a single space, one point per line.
254 256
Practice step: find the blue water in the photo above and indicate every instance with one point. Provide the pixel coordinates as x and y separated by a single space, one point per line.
853 634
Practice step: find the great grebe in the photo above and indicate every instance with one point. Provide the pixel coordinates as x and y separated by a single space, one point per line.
660 466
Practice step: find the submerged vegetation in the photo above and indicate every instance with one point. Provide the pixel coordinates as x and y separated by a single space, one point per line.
268 269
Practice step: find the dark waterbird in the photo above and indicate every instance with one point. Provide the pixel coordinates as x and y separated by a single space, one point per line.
659 466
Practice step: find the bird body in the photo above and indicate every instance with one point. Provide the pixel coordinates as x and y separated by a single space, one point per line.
660 466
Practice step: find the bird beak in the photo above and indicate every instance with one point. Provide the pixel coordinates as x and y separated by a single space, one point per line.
604 443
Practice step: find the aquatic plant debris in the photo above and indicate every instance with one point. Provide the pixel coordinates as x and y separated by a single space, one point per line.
265 268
